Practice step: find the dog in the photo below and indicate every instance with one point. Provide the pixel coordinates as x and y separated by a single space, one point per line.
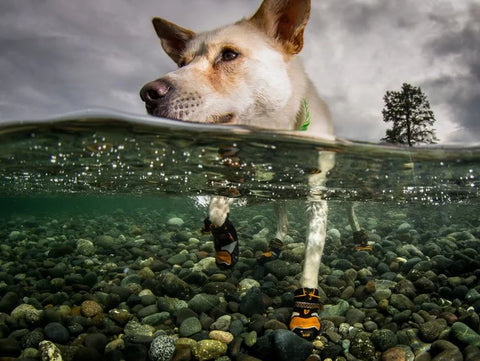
248 73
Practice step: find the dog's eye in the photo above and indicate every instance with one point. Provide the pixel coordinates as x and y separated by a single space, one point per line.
229 55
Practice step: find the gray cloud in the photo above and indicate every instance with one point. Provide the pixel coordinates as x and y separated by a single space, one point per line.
59 56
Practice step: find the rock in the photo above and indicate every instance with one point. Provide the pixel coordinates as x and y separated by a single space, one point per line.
431 330
120 315
27 312
96 340
401 302
49 351
32 339
384 339
471 353
91 308
175 223
203 302
222 323
278 267
9 347
56 332
362 347
156 319
445 351
398 353
173 286
86 247
162 348
274 324
222 336
340 309
189 327
252 302
282 345
463 333
8 302
355 316
246 284
133 328
147 311
209 349
179 259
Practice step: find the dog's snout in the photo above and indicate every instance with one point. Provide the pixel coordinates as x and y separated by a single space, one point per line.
155 90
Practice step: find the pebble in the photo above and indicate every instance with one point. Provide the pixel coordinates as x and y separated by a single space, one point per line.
463 333
209 349
27 312
189 327
49 351
162 348
91 308
56 332
222 336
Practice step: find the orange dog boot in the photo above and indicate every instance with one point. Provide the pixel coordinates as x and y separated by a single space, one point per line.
226 243
304 320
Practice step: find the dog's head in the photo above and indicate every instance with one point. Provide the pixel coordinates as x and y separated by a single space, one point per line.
232 75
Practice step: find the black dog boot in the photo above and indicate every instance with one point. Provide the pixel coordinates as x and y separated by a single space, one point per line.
226 243
304 320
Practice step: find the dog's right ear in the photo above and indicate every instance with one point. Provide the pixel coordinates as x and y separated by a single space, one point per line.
284 21
173 37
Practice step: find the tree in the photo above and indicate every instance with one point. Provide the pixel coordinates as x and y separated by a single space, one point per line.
412 118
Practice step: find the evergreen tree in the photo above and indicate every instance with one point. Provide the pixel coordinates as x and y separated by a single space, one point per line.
412 118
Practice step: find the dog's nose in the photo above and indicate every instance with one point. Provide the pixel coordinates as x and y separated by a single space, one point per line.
155 90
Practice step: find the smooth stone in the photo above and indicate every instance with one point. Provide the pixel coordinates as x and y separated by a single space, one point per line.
398 353
9 347
175 222
209 349
471 353
134 328
252 302
49 351
147 311
156 318
401 302
354 315
384 339
282 345
222 336
26 312
189 327
340 309
445 351
222 323
431 330
162 348
462 332
91 308
203 302
56 332
86 247
8 302
97 341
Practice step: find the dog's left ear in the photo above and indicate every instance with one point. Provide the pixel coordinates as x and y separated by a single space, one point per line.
174 38
285 21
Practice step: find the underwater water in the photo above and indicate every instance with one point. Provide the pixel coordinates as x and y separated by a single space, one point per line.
102 258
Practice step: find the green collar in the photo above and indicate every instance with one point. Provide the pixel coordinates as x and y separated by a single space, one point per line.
306 122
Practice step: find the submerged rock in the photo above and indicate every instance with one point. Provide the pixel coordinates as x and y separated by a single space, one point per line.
162 348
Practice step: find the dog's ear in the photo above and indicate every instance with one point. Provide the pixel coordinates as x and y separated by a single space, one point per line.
285 21
173 37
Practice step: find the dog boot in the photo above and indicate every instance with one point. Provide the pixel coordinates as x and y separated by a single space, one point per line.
226 243
275 247
304 320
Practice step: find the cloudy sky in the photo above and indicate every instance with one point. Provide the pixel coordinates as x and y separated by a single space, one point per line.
59 56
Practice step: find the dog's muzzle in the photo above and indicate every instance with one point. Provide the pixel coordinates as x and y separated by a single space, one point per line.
155 95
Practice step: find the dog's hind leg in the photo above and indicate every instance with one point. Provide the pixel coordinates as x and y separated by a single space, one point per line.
224 234
304 320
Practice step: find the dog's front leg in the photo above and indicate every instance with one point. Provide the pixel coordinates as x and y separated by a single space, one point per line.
224 234
304 320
